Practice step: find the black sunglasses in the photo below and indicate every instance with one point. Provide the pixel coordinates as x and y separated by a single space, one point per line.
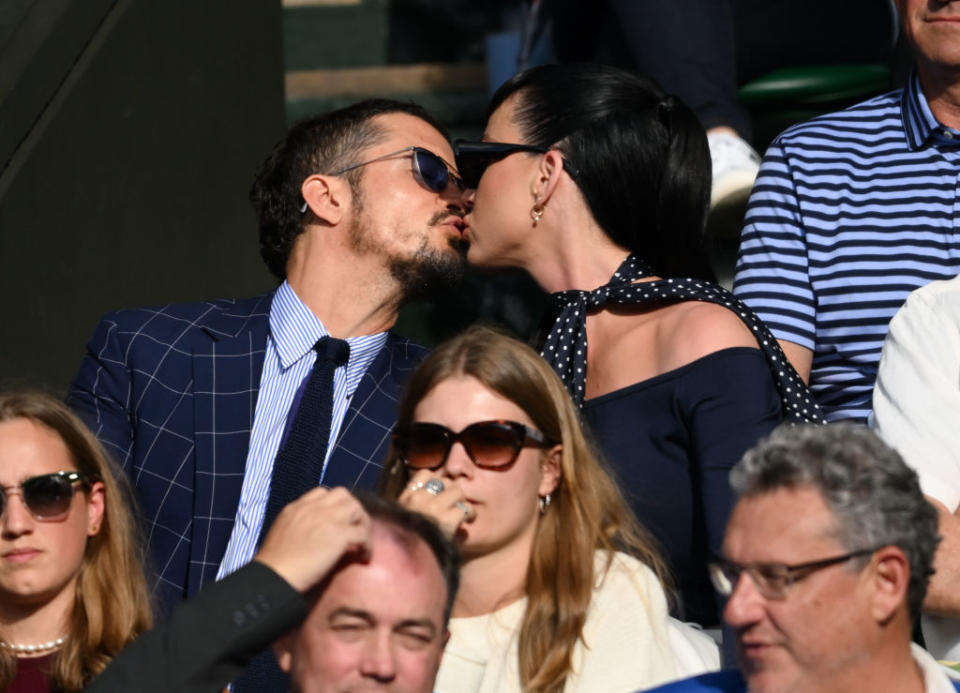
429 169
47 496
489 444
474 157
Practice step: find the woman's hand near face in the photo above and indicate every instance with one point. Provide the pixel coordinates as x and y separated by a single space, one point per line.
449 509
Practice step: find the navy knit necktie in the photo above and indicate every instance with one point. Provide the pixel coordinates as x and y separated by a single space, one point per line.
299 464
297 469
566 345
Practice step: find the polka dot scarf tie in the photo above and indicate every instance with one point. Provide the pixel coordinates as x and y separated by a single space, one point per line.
566 345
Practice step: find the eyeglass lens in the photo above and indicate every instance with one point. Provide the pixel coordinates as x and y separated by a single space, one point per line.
723 577
473 158
432 171
770 582
46 497
472 166
488 444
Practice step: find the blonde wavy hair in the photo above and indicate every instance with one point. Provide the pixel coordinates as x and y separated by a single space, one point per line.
112 604
587 513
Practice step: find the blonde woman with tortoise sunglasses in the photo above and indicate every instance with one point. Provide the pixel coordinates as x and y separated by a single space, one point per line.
561 589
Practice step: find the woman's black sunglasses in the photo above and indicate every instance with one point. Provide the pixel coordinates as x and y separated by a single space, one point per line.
474 157
429 169
490 444
48 496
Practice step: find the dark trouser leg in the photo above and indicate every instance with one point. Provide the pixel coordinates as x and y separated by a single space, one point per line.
688 47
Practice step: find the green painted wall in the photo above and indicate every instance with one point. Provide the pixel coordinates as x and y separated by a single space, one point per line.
126 184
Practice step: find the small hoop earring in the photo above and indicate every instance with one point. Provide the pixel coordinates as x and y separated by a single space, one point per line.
544 503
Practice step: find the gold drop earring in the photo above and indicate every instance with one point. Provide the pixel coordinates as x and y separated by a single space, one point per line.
536 212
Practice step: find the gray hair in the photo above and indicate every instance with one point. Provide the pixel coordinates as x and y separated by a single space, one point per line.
875 498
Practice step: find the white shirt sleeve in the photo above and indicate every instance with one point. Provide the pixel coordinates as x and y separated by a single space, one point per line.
916 400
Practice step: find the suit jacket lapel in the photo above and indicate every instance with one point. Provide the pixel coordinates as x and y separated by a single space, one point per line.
364 437
226 380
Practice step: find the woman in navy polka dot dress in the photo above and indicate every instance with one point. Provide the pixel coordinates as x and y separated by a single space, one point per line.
597 183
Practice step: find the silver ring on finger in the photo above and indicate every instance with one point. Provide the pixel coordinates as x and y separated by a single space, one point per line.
415 486
434 487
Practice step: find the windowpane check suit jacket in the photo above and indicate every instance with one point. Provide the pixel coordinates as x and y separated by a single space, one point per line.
171 393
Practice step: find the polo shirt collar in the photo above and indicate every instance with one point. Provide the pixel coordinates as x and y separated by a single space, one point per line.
919 123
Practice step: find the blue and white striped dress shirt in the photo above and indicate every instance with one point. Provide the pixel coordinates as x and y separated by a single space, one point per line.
851 212
289 358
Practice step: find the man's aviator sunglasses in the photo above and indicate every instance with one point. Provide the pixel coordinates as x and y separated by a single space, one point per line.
474 157
489 444
429 169
47 497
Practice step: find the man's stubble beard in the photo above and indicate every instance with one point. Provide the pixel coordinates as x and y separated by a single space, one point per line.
426 270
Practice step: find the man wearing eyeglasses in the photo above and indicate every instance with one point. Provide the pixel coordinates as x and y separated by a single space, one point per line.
214 408
825 565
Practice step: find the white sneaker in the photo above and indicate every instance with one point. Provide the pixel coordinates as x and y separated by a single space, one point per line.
735 167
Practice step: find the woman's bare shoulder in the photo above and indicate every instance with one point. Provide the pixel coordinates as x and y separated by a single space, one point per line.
694 329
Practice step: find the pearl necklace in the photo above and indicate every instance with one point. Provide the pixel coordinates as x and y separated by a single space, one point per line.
31 649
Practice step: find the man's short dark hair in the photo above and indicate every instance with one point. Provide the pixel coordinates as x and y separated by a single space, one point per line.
394 515
321 144
875 498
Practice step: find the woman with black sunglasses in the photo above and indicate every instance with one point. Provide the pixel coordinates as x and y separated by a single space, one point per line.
560 588
597 183
72 586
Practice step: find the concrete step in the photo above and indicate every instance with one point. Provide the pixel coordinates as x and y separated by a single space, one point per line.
340 51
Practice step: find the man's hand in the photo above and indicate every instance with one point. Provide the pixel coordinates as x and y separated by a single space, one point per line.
312 534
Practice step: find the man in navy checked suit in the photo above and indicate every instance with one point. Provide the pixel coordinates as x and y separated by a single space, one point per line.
193 399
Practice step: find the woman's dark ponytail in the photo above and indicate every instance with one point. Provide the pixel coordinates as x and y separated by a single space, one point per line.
642 157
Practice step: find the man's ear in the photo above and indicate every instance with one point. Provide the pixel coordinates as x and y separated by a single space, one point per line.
327 197
550 470
890 580
283 651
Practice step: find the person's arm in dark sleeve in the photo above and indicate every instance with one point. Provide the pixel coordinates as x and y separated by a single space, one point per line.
735 406
100 393
209 640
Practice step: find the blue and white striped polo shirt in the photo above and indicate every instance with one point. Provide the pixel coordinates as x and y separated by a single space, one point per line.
288 360
850 213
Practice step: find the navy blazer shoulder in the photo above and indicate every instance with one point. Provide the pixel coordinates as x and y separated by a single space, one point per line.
725 681
171 392
209 640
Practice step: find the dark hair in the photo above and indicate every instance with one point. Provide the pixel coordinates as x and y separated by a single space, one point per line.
642 159
875 498
320 144
391 513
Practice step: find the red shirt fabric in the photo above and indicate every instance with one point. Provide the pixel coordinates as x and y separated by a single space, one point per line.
33 675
